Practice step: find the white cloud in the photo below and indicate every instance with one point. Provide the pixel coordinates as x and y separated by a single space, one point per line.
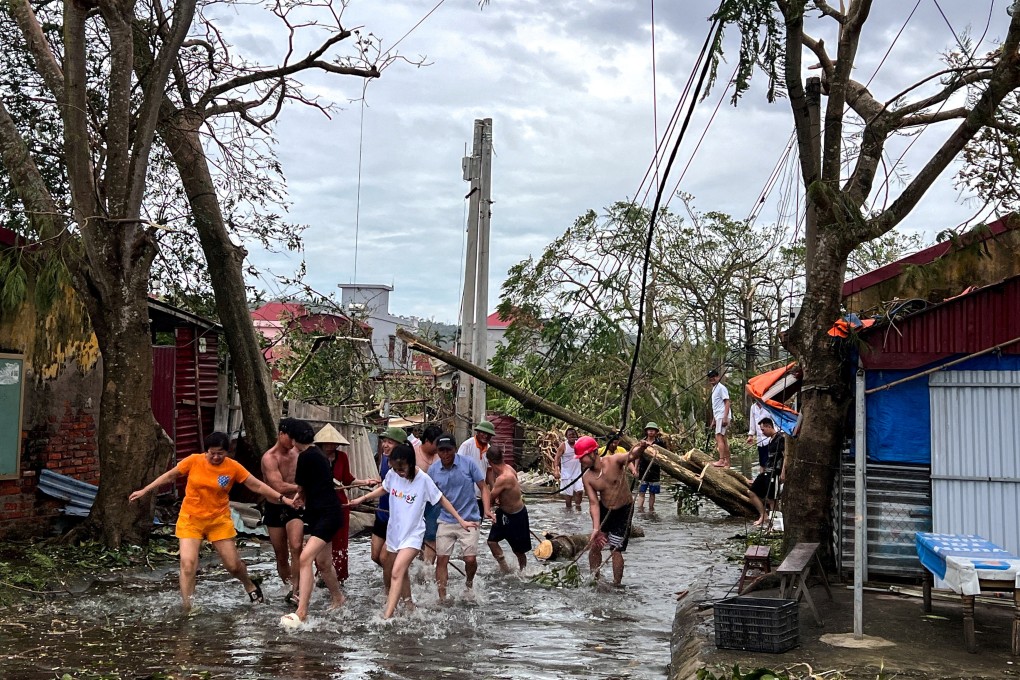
568 86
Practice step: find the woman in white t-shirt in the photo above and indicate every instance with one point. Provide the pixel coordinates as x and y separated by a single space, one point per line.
409 489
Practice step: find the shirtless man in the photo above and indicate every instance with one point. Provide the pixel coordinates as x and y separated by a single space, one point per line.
511 523
285 525
609 500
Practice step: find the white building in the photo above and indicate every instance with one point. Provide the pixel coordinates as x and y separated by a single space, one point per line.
370 304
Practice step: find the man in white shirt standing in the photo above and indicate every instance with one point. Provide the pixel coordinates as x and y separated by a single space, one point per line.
754 433
475 449
720 418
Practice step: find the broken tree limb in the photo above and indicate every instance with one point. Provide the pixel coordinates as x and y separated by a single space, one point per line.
725 487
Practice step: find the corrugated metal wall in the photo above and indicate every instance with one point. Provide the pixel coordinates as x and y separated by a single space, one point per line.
899 504
506 437
196 388
975 420
163 387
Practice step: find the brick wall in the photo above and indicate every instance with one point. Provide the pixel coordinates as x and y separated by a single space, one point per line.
59 434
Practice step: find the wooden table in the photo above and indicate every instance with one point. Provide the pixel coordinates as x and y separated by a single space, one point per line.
969 566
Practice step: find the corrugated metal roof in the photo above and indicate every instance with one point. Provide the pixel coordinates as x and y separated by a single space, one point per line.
927 255
962 325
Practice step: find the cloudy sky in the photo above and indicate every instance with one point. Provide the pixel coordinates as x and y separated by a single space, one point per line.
568 84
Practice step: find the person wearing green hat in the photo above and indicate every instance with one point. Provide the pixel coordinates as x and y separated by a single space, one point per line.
647 471
390 438
475 448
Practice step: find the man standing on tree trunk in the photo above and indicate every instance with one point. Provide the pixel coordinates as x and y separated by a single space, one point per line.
720 418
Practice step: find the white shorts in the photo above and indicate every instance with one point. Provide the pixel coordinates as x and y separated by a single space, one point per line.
719 427
571 473
452 535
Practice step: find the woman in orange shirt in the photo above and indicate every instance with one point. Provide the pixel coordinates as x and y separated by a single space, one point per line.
205 511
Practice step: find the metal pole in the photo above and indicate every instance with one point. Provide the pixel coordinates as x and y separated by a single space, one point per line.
481 344
860 505
814 102
470 164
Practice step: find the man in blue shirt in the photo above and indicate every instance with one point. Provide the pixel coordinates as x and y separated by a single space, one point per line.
457 477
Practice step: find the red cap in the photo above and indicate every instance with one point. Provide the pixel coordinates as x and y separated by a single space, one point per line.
584 446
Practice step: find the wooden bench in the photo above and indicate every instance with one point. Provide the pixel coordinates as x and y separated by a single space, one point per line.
757 563
794 572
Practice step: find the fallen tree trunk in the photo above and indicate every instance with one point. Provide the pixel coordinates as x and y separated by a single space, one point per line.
724 487
569 546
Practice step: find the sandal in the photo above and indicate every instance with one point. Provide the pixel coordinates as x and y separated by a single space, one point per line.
256 595
291 599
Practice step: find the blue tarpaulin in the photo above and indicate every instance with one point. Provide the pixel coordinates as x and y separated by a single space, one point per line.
899 419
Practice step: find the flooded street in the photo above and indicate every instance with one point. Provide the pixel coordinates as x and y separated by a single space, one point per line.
511 628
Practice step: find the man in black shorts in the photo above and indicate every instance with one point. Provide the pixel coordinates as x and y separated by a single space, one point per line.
765 487
284 524
609 500
511 524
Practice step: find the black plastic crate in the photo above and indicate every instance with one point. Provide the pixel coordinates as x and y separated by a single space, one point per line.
757 624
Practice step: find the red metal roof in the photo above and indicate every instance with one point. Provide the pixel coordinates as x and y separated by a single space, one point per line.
494 320
927 255
961 325
278 311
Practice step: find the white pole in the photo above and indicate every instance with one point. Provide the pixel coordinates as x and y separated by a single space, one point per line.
860 505
481 344
463 423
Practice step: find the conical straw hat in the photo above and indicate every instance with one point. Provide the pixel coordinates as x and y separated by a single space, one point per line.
329 435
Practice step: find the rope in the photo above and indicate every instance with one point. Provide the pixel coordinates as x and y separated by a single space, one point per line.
628 393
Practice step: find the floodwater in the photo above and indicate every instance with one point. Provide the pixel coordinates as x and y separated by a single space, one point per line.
511 628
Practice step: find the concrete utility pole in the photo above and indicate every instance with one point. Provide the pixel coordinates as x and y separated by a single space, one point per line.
481 344
471 168
814 101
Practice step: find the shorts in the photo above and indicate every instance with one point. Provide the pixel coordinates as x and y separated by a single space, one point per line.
764 486
719 427
324 523
379 527
651 487
277 516
212 529
450 536
571 476
514 528
616 525
431 521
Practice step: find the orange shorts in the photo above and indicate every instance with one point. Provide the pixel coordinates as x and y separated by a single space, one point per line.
211 529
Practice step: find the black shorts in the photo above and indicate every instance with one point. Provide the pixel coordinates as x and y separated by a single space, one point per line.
324 523
515 529
379 527
277 516
764 486
616 525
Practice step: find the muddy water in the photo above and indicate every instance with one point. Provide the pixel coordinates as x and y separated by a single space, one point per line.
511 628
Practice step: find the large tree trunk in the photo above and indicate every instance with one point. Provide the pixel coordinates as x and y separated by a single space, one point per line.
225 262
132 446
726 488
813 458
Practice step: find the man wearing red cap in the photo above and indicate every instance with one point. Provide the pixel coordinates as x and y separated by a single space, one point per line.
609 499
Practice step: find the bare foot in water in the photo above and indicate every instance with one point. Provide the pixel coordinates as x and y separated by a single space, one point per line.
336 603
